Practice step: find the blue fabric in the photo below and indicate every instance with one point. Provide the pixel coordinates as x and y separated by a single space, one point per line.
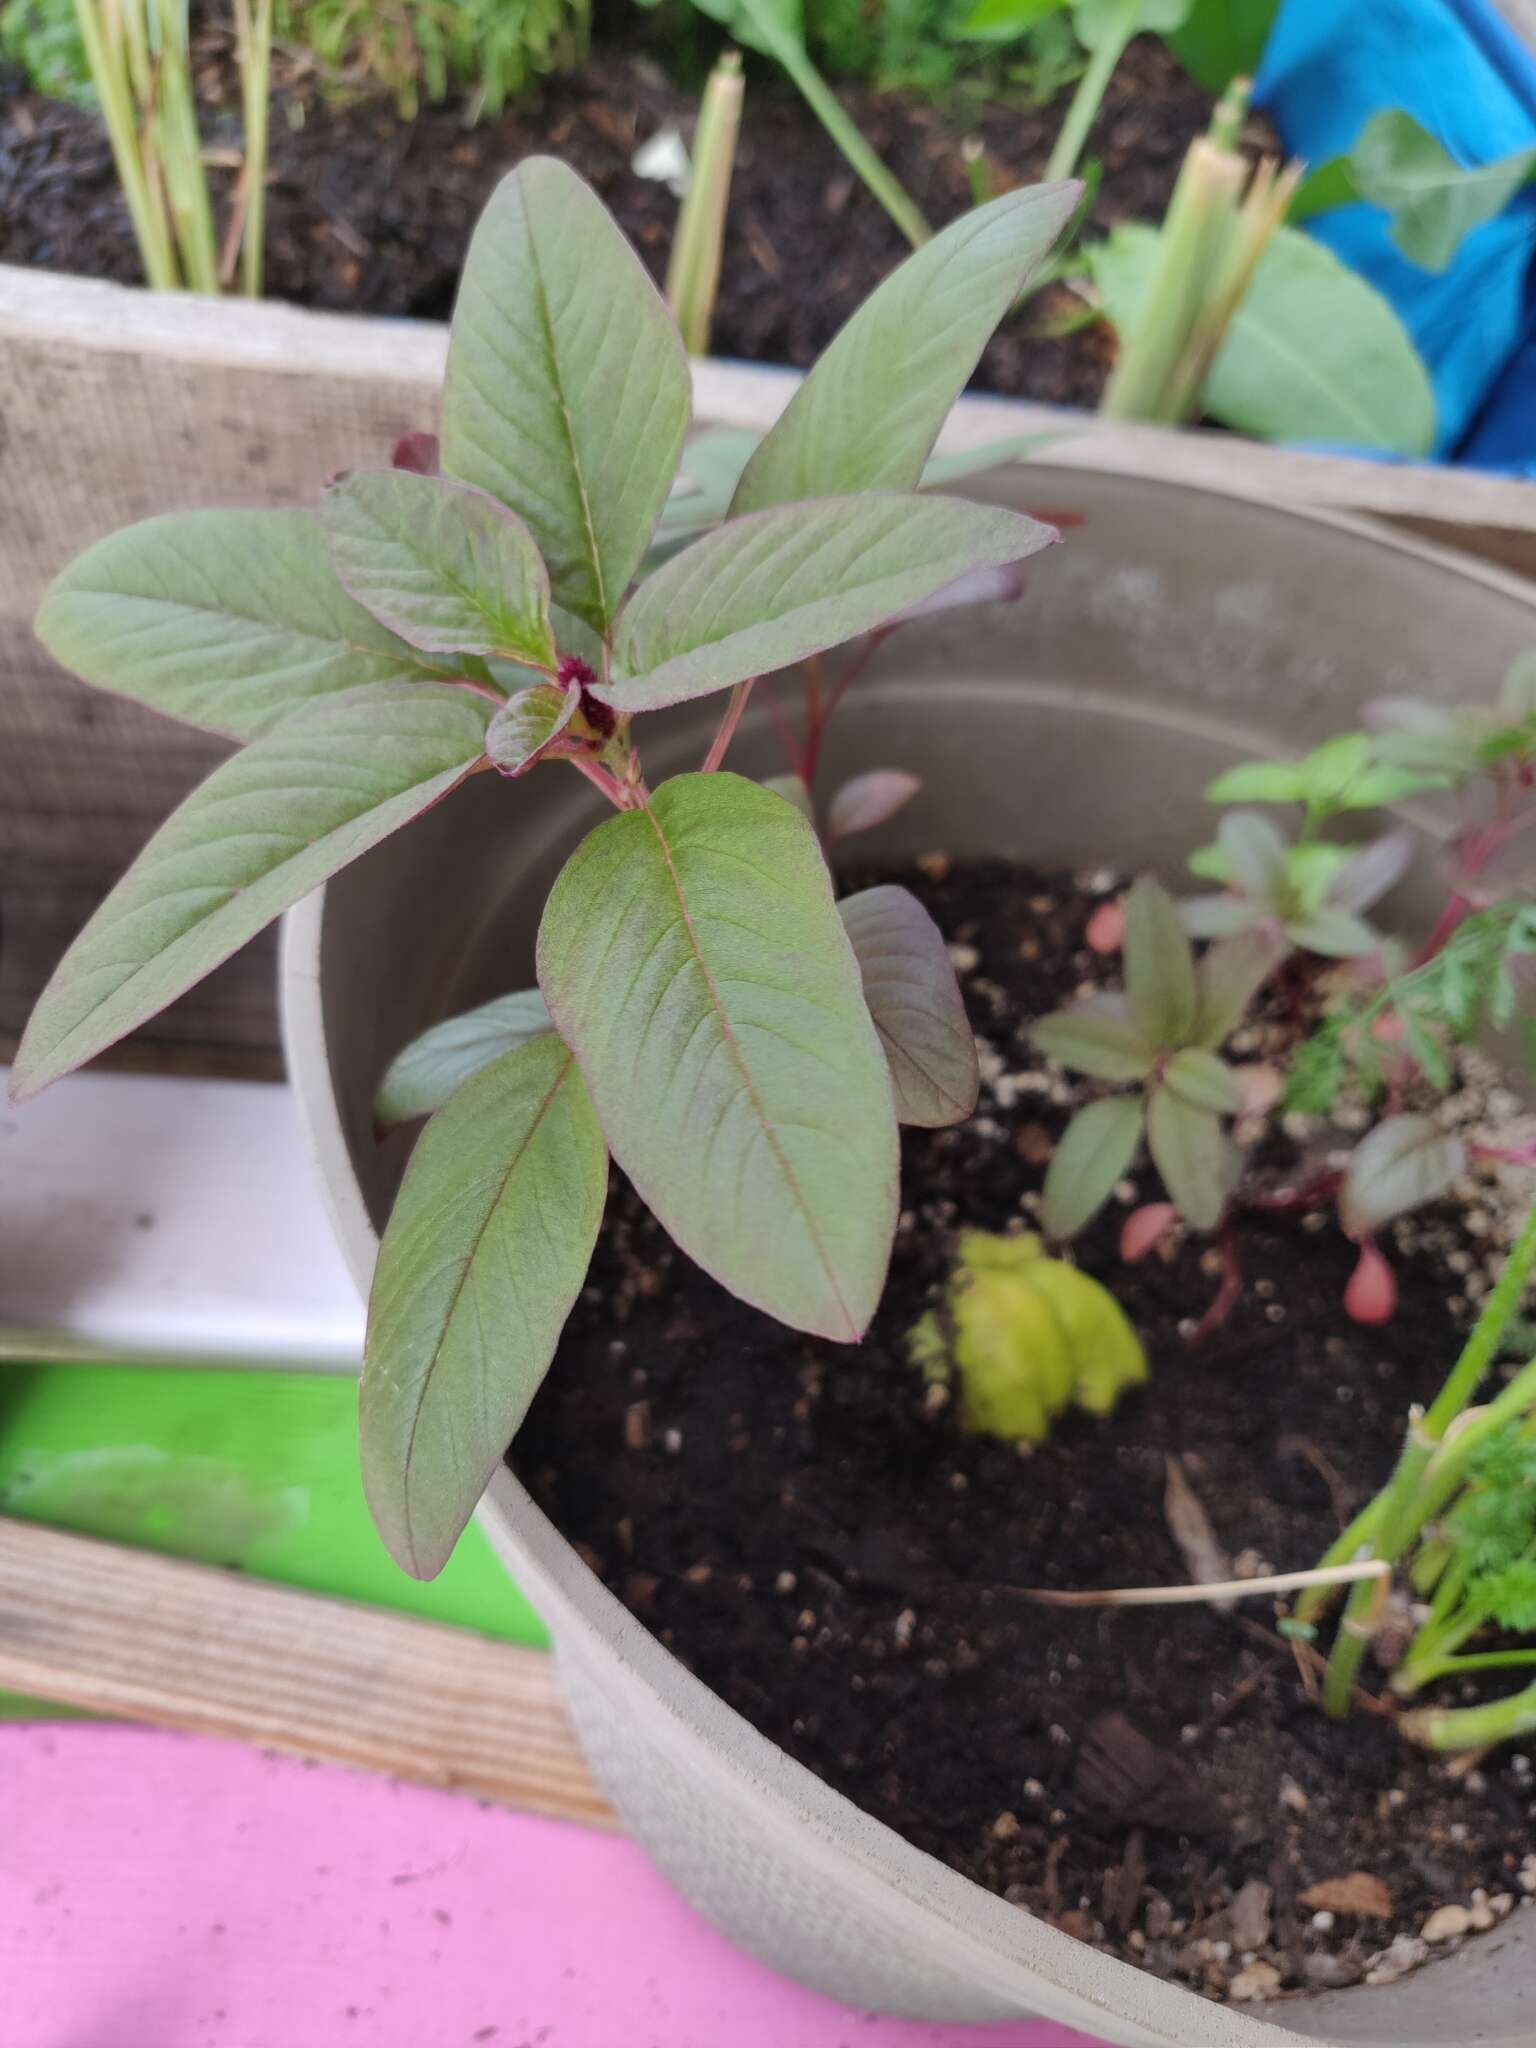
1458 68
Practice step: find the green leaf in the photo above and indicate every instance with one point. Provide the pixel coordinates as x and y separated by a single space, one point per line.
939 471
1313 354
228 620
1509 1596
1094 1151
1334 933
1331 184
1223 39
744 21
1093 20
1221 917
1203 1081
1095 1037
869 412
1229 976
692 956
1160 983
1255 854
567 388
1193 1155
1258 782
1365 876
420 1079
768 590
1404 1162
262 831
793 790
1002 20
909 985
528 725
483 1258
1434 201
441 564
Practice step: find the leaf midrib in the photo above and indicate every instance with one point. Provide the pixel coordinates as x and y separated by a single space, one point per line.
738 1057
455 1299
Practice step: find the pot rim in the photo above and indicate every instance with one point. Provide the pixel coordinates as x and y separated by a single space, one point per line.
1015 1955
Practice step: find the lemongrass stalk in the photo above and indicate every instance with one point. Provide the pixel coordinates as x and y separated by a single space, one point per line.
787 49
106 48
186 181
1192 249
1261 213
693 272
1089 96
1447 1728
1406 1502
254 44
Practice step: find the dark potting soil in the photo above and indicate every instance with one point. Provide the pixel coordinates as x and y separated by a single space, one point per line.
370 213
809 1530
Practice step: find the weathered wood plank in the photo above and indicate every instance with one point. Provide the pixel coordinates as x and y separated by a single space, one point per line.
138 1637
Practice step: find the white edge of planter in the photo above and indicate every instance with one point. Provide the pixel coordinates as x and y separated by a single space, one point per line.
41 306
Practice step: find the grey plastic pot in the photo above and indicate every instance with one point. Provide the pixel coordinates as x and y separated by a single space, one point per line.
1175 631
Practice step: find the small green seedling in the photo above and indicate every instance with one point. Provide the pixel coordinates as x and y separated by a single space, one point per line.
1346 773
1025 1337
1162 1035
1308 896
708 1013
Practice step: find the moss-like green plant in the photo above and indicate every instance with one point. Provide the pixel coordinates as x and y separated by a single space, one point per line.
1026 1336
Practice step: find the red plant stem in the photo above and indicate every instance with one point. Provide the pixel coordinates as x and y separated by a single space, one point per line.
1506 1155
1309 1195
602 778
728 725
793 754
1228 1293
1456 909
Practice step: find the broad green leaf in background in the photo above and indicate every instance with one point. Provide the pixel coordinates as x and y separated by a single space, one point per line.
1193 1154
1313 354
227 620
420 1079
692 957
1404 1162
1220 40
1434 201
486 1250
567 389
527 725
1096 1037
909 985
1160 986
868 414
264 829
443 565
770 589
1095 1149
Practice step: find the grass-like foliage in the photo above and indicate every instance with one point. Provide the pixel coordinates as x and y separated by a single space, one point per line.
708 1014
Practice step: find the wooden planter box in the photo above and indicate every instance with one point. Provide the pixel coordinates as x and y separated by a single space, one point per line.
117 403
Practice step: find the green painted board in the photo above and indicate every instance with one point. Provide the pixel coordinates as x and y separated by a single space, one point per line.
250 1469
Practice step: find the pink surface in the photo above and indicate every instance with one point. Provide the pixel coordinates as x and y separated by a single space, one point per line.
165 1891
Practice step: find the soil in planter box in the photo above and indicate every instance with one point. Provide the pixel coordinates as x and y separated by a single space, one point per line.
807 1527
370 213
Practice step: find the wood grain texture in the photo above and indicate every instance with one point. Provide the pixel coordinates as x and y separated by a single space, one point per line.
117 403
138 1637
